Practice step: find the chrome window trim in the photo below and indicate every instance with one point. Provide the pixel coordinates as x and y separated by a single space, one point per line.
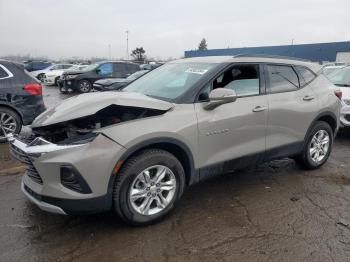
7 72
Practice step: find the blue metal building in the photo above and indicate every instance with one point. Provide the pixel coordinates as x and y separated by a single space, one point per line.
315 52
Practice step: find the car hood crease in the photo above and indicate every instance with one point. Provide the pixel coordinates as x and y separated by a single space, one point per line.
89 104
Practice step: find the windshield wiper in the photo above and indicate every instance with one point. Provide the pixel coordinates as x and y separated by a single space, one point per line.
346 85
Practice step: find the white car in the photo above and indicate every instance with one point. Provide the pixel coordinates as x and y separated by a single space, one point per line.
341 78
52 77
40 73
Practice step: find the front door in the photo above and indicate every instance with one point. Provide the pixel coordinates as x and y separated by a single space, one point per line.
233 135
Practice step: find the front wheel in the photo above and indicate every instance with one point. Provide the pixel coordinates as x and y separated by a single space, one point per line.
318 146
84 86
148 187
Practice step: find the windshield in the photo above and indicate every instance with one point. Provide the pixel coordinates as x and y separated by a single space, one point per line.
170 81
341 77
91 67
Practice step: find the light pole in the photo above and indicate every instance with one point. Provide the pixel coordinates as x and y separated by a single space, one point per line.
109 52
127 44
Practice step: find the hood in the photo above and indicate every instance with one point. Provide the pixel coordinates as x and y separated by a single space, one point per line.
88 104
74 72
110 81
55 72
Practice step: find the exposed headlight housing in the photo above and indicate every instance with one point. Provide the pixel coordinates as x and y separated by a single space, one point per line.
71 76
80 139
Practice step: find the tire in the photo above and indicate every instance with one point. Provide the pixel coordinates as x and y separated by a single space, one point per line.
56 80
84 86
11 120
40 77
63 90
307 159
150 162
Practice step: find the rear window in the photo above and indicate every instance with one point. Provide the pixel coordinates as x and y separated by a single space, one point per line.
282 79
305 75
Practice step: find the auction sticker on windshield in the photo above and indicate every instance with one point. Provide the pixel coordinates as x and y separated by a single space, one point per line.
196 71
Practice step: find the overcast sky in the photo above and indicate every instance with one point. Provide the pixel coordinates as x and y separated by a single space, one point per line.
85 28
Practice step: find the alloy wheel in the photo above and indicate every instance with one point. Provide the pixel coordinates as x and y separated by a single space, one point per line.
319 146
84 87
8 124
152 190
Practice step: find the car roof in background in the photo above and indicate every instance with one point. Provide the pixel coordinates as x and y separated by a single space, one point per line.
251 59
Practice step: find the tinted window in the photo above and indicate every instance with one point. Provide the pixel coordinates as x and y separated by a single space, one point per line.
305 75
105 69
3 73
282 79
118 67
130 68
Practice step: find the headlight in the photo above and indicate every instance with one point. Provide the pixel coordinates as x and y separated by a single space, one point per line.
71 76
80 139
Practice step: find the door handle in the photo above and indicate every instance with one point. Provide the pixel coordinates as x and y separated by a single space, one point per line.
259 109
308 98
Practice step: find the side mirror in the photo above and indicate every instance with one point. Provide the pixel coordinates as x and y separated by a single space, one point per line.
219 97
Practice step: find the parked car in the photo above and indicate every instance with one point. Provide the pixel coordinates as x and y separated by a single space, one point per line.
39 74
112 84
327 70
36 65
341 78
20 98
135 151
52 76
73 68
82 81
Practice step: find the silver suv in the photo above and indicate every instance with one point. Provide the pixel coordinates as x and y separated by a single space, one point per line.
135 151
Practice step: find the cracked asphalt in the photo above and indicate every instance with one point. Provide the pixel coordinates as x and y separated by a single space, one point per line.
273 212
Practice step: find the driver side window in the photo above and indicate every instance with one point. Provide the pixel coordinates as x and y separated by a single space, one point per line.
243 79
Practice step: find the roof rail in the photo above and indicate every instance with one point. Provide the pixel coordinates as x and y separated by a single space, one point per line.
272 56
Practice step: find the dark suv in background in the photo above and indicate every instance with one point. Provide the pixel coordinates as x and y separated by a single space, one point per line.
82 81
20 98
36 65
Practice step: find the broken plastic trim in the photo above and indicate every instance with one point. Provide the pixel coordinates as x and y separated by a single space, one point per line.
81 130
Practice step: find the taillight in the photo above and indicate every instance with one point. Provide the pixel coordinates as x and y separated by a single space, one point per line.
338 93
33 89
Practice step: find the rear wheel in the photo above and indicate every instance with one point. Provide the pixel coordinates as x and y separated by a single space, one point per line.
318 146
10 122
84 86
148 187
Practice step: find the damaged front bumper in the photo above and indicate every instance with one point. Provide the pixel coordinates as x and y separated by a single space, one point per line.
91 164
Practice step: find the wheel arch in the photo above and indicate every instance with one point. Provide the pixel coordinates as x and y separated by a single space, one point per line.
328 117
5 105
180 150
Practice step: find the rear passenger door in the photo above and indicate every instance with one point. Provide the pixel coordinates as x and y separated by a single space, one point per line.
292 107
119 70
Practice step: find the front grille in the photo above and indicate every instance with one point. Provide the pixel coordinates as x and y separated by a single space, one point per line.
347 117
24 158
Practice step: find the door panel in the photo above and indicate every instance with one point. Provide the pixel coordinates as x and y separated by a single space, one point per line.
232 130
290 114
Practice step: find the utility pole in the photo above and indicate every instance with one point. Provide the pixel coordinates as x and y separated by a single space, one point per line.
127 44
293 41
